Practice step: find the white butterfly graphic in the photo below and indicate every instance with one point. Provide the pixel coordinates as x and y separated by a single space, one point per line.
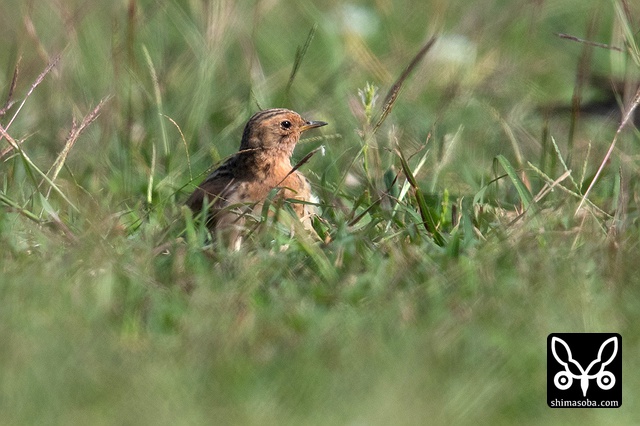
564 379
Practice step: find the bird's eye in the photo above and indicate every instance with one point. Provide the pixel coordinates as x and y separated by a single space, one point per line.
286 124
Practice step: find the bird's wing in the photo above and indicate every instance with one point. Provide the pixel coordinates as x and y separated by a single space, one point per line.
214 188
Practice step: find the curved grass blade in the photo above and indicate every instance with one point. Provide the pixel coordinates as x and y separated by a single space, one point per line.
300 53
427 218
523 191
392 96
625 120
30 165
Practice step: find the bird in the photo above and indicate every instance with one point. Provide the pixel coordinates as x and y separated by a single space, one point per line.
238 188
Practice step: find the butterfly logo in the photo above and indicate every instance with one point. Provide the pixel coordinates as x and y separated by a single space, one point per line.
564 379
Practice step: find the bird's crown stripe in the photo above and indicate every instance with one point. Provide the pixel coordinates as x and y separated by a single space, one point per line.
268 113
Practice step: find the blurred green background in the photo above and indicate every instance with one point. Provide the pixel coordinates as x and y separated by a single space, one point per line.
114 310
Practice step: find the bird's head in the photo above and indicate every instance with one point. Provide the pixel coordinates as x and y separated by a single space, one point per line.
278 129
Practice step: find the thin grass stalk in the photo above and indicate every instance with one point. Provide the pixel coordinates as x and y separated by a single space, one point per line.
392 95
35 84
14 81
582 73
32 166
427 218
184 142
574 194
300 54
627 116
73 137
158 98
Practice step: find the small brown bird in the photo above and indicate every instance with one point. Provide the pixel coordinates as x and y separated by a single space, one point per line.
241 184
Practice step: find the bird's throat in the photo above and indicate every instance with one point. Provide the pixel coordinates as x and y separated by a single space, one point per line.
265 165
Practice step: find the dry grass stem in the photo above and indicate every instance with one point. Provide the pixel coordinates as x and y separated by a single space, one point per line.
392 96
14 80
73 137
589 43
35 84
627 116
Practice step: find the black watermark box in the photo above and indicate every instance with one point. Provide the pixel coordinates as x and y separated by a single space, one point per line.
584 370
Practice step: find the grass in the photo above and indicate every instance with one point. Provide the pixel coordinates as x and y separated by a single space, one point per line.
467 211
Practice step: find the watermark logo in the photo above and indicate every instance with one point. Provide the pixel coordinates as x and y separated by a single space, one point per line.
584 370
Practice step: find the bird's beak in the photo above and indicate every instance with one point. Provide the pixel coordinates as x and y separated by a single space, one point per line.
312 125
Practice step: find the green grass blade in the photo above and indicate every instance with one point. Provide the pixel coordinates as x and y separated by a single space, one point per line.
15 206
392 95
158 99
632 46
425 213
523 191
300 54
32 166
